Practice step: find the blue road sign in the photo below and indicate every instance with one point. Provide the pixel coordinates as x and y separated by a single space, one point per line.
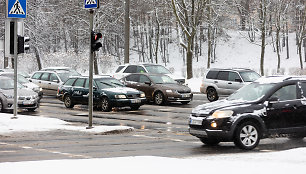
91 4
16 8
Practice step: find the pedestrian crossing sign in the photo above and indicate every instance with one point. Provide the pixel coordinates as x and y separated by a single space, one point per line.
91 4
16 8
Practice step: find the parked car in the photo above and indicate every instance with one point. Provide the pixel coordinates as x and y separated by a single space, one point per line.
62 68
23 73
27 99
159 88
127 69
268 106
49 81
108 92
225 81
25 82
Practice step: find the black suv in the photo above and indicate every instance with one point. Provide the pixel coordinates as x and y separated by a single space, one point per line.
108 92
268 106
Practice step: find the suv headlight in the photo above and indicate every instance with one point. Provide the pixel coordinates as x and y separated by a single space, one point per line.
120 96
171 91
222 114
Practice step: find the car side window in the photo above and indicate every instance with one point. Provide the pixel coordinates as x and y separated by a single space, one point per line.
212 75
45 76
232 76
143 79
53 77
132 78
286 93
79 82
36 75
130 69
223 75
69 82
140 69
87 83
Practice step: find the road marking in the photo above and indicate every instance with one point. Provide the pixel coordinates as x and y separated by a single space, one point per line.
171 139
45 150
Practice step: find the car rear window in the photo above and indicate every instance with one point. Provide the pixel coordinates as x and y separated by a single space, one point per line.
212 75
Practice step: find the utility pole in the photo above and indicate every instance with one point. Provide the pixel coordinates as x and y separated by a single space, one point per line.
127 32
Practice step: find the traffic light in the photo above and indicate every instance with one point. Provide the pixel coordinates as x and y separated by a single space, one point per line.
21 44
95 44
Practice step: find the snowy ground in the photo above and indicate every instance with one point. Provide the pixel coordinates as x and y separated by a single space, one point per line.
273 162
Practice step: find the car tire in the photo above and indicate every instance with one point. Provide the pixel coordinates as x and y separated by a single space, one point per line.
159 98
105 105
212 94
185 102
247 135
210 141
68 102
1 106
135 107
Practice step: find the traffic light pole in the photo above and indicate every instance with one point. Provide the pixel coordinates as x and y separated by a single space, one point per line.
15 69
90 97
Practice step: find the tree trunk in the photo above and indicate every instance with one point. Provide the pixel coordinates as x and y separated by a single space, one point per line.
38 59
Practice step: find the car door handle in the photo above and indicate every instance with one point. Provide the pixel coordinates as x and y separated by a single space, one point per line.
230 83
215 81
39 81
49 83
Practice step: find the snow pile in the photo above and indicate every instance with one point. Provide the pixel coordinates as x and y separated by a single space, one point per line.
37 123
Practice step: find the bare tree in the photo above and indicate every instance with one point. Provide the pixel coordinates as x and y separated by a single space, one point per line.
189 14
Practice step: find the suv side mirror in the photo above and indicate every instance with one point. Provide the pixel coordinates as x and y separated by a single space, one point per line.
238 80
148 83
273 99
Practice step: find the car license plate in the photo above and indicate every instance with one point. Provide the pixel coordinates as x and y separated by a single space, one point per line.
196 121
135 101
28 102
185 95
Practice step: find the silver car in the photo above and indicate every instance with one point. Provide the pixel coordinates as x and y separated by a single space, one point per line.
49 81
225 81
24 81
27 98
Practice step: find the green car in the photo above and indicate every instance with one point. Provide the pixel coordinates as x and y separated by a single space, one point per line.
108 92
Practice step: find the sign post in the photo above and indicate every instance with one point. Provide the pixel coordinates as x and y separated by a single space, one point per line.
15 9
90 4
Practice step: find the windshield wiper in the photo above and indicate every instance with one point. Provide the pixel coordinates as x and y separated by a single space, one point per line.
118 84
107 84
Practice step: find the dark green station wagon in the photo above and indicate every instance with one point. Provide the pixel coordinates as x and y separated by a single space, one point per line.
108 92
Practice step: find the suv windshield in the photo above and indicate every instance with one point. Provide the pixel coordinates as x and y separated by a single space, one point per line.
249 76
65 76
157 69
108 83
160 79
251 92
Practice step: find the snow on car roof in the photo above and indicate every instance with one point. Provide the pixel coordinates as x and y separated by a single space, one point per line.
278 79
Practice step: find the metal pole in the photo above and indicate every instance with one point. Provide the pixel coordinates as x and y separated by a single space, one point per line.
127 32
15 69
90 98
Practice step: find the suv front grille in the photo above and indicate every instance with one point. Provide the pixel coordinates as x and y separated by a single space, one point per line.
198 115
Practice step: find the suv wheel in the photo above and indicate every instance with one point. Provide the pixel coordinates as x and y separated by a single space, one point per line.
212 94
159 98
105 105
210 141
68 102
247 135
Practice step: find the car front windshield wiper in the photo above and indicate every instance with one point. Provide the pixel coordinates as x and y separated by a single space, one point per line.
118 84
107 84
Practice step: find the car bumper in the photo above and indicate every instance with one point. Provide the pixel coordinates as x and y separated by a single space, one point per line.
22 104
179 97
128 102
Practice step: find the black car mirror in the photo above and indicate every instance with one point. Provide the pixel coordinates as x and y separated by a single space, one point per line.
148 83
273 99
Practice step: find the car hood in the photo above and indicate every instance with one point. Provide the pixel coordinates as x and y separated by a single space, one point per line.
21 92
122 90
209 108
30 85
175 77
174 86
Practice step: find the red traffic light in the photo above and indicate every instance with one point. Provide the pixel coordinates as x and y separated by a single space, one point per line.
98 36
95 44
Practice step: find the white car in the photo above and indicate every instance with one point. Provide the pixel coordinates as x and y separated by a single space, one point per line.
124 70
